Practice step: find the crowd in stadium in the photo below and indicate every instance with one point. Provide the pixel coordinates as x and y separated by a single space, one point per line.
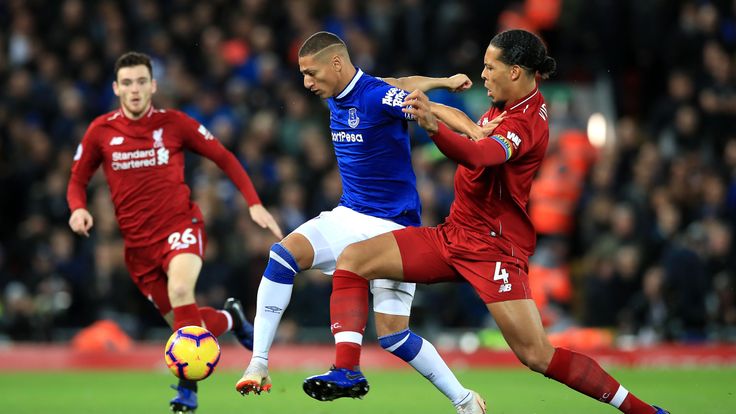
636 235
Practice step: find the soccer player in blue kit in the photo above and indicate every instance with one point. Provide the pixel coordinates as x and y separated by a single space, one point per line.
371 142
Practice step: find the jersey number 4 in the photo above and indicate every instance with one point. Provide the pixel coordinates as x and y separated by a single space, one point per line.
501 274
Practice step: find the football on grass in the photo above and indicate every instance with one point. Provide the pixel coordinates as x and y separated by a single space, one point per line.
192 353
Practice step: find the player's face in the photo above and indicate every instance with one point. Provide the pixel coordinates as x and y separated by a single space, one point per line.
319 75
496 75
134 87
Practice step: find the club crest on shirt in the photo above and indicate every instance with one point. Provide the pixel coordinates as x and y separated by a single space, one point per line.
158 138
353 119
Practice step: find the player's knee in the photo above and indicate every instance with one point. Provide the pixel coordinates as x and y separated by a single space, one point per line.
180 291
389 324
282 266
353 260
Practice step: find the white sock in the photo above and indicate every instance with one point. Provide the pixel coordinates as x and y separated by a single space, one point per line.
430 364
272 300
423 356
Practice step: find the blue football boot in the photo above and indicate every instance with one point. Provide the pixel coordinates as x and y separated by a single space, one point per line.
242 329
660 410
336 383
185 401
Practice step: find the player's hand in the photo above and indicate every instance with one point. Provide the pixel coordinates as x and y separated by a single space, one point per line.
487 130
459 82
417 104
81 221
263 218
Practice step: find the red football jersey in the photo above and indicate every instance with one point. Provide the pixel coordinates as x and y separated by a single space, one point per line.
143 161
494 199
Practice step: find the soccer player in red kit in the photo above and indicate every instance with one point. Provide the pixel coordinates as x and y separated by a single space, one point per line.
141 150
488 236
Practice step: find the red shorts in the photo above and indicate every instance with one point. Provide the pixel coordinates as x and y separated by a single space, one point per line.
148 265
448 253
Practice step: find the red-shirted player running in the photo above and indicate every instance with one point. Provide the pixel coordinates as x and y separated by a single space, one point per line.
488 236
141 150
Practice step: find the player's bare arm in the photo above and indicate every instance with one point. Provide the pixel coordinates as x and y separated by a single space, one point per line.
81 221
454 146
263 218
459 122
455 83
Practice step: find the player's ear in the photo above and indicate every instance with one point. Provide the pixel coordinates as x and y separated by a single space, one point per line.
515 71
115 88
154 86
337 63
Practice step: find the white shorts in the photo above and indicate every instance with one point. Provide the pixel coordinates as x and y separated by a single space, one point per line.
332 231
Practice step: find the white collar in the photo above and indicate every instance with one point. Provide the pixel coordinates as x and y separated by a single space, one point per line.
351 85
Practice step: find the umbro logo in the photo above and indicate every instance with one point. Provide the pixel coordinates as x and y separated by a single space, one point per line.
273 309
117 140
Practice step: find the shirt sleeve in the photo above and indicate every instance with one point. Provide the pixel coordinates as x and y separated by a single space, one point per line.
514 138
86 160
387 100
468 153
198 139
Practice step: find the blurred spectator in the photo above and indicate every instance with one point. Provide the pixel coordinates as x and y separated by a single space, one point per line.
648 220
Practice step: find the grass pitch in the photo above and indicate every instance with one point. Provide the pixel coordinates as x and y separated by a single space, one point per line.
701 391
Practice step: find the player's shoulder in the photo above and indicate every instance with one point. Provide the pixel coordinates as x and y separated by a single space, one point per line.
106 119
371 85
168 113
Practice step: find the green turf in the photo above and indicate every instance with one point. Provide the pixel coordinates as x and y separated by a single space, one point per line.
700 391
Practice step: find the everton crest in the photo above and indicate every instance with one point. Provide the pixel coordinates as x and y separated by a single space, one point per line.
353 119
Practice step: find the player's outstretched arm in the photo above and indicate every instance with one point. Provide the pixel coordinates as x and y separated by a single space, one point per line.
467 153
459 122
454 83
81 221
263 218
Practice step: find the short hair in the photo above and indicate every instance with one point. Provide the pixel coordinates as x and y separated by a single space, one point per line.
133 59
519 47
319 42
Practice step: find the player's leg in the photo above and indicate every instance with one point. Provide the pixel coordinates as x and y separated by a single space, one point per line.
381 256
144 266
357 263
395 337
521 326
286 259
183 271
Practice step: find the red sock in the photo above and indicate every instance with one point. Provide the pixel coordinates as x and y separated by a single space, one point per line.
584 375
349 315
187 315
215 321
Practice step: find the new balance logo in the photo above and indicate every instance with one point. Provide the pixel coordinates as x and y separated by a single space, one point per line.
506 287
117 140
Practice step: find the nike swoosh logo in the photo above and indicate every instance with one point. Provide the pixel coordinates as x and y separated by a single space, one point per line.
353 376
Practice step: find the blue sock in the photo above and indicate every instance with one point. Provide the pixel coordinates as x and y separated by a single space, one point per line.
423 356
282 266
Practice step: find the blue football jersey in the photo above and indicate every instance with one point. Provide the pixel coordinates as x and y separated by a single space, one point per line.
371 140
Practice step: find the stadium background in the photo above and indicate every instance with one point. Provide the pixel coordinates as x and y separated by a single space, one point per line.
635 204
